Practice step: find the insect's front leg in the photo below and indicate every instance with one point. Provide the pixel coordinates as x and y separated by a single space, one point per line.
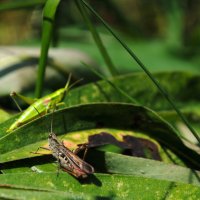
36 152
60 104
52 106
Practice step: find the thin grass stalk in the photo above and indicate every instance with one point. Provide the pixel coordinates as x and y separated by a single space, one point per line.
112 69
133 55
119 90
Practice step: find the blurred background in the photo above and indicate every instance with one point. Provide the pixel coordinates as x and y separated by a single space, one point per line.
165 34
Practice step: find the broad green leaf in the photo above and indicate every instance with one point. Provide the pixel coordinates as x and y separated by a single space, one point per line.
138 86
96 187
76 137
71 140
15 192
4 115
141 167
113 163
93 116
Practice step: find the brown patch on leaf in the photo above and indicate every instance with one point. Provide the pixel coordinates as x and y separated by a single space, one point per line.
131 145
141 147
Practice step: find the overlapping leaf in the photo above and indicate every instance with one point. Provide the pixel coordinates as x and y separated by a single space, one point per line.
97 187
139 87
78 122
181 85
91 116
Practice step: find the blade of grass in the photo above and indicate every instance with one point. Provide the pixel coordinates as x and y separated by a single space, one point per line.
132 54
142 167
20 4
47 28
112 69
122 92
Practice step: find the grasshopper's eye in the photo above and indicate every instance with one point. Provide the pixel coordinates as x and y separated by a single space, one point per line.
52 135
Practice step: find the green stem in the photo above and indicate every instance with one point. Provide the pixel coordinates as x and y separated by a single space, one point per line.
47 29
162 91
43 59
112 69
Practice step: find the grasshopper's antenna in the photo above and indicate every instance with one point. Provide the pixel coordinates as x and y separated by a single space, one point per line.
68 86
68 81
73 84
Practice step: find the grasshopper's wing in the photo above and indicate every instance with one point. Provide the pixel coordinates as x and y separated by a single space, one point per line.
79 163
75 172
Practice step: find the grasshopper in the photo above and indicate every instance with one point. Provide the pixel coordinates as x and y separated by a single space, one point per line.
67 159
42 105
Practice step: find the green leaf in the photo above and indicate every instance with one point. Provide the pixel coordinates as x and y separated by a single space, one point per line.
4 115
141 167
93 116
138 86
98 186
146 93
113 163
15 192
142 178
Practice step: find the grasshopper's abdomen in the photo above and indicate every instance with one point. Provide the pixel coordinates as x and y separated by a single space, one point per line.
29 114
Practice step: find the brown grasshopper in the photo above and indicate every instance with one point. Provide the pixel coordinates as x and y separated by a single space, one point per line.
67 159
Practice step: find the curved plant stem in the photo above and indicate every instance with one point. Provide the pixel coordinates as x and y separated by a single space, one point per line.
132 54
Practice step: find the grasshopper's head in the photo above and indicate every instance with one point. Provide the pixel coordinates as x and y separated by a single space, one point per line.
52 136
53 142
60 94
67 87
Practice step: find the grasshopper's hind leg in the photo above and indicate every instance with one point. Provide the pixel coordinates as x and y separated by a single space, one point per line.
80 148
27 100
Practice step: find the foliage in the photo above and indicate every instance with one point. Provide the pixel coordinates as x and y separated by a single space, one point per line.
141 151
